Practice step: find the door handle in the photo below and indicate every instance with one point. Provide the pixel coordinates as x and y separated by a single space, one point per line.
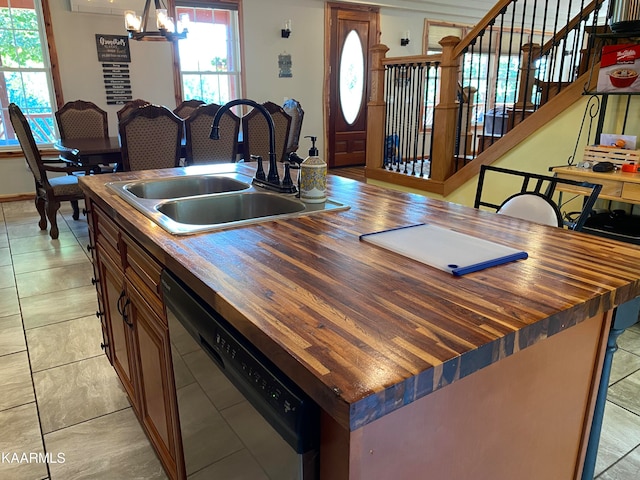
125 316
118 306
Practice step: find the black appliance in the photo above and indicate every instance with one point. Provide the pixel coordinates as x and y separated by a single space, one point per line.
235 406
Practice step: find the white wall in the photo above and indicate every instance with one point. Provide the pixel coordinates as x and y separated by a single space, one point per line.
81 73
263 43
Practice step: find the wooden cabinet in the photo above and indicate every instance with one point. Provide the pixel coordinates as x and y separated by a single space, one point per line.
136 334
100 313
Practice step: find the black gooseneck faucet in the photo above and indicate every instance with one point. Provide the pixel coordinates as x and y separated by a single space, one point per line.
272 181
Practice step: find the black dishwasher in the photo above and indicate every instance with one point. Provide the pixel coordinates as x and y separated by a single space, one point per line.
238 412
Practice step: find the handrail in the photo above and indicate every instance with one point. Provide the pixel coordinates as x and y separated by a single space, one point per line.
573 23
486 21
432 58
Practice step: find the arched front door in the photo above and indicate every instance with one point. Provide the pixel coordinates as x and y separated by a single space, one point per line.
353 31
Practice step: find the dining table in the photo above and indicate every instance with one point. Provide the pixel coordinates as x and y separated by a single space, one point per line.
95 151
90 151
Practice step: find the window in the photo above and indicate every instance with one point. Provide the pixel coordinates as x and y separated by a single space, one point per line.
210 55
25 71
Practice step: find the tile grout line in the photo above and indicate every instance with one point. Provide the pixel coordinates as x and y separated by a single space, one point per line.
24 333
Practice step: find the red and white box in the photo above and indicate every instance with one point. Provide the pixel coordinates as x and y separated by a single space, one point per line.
619 69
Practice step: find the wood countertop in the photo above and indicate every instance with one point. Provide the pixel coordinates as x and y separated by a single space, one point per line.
363 330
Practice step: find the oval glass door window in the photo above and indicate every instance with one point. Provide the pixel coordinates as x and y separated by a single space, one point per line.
351 77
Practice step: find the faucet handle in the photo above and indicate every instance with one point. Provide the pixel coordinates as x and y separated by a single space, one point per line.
286 181
260 171
294 159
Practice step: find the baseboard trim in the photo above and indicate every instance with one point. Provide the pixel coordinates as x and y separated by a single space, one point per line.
16 197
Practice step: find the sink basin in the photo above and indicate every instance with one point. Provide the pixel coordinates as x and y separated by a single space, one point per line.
189 204
185 216
186 186
215 210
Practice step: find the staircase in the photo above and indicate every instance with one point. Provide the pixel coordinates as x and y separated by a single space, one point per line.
430 126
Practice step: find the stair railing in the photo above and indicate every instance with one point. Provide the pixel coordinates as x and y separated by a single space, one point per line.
430 115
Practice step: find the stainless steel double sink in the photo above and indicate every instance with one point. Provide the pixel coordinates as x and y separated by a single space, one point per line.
189 204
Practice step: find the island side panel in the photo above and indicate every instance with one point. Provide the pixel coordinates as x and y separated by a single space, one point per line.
526 417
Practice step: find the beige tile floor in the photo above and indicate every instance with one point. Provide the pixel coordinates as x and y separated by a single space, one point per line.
63 412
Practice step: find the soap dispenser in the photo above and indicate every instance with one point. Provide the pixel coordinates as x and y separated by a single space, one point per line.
313 176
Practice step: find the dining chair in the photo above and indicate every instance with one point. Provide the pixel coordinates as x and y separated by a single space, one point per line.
81 119
293 108
130 106
200 148
49 191
187 107
255 134
151 138
534 197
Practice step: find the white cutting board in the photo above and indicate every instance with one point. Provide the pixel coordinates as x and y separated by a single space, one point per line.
444 249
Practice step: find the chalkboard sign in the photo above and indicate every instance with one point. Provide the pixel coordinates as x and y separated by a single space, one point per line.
113 48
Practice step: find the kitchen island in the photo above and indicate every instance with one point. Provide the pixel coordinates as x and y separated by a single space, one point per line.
418 373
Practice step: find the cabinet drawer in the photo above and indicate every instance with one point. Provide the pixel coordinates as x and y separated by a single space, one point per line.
142 268
610 188
631 191
107 235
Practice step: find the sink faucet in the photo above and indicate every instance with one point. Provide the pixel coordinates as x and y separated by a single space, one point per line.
272 181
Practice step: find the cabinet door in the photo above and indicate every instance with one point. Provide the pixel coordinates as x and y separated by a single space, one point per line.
155 377
121 345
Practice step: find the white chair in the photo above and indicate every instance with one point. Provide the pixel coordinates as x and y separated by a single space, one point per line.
533 207
535 195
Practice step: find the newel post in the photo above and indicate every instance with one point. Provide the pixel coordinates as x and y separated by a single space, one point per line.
530 53
443 134
376 109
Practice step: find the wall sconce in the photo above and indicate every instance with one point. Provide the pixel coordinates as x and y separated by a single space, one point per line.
286 31
137 26
404 40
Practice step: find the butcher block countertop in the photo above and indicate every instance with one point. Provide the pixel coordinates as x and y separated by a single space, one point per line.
365 331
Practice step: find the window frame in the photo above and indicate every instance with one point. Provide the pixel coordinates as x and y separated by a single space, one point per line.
223 4
50 57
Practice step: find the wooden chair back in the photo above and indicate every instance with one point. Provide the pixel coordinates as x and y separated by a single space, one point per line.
151 138
200 148
255 132
81 119
130 106
28 144
49 193
187 107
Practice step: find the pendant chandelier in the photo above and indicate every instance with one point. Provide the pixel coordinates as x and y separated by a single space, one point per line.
167 30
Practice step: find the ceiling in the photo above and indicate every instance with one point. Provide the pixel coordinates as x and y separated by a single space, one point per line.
463 11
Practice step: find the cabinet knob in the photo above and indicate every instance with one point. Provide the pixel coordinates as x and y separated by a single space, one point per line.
94 281
90 247
103 346
99 314
85 212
